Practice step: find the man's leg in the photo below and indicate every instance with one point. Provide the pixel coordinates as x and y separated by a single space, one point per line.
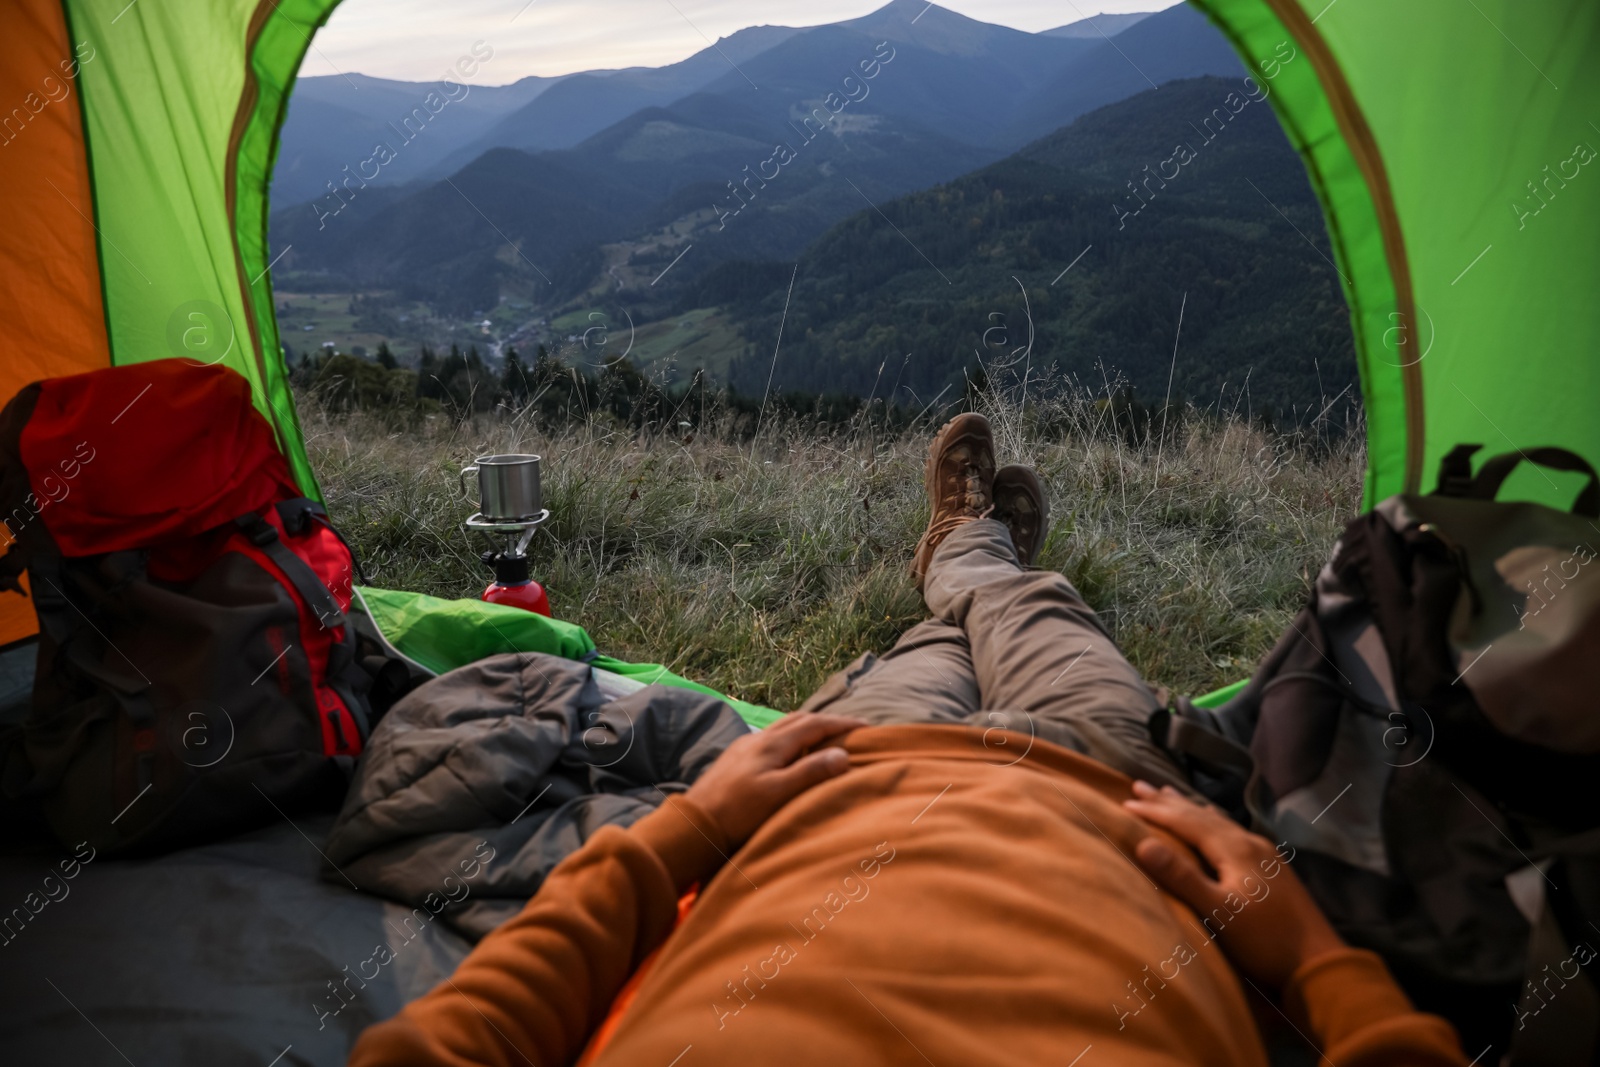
1037 647
926 677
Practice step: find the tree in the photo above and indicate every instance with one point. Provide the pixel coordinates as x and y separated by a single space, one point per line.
514 382
464 382
385 357
429 384
348 381
302 372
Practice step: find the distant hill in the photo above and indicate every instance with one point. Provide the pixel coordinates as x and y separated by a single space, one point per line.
455 243
951 75
335 121
956 74
585 104
1170 44
1107 25
946 32
935 295
707 141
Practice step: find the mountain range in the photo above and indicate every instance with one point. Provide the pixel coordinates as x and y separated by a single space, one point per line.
956 94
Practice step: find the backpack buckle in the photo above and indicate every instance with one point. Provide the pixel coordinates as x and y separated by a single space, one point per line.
1455 471
260 532
299 514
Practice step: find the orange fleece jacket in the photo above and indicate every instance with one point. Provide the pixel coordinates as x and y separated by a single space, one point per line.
928 905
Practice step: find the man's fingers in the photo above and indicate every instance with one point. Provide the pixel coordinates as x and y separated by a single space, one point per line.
1182 818
800 721
793 734
810 770
1207 829
1178 874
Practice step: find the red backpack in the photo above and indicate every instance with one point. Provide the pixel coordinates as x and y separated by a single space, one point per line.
197 670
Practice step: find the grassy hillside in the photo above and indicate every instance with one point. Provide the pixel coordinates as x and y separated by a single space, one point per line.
761 567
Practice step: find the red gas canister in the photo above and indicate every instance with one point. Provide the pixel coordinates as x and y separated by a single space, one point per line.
513 586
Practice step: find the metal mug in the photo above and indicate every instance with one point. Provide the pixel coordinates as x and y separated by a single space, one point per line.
508 487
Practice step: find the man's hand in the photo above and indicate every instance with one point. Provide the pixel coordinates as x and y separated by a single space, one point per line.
1255 907
760 773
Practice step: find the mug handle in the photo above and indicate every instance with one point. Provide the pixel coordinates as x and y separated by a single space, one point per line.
473 469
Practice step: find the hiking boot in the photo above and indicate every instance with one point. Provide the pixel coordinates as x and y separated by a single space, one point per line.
960 482
1019 502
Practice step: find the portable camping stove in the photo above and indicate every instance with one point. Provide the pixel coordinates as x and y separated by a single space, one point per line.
510 510
513 582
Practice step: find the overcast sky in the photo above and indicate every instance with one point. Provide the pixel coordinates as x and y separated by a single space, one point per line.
416 39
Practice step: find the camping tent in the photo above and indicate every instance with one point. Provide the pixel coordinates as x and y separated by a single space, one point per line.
1450 142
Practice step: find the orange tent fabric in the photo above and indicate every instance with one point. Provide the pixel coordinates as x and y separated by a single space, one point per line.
52 318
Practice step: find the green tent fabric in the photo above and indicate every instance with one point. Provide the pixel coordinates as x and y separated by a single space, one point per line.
442 635
181 110
1452 145
650 673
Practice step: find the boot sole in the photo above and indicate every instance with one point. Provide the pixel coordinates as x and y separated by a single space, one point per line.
930 473
1028 480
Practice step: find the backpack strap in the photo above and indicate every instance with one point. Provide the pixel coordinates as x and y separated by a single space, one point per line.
1189 731
1561 1024
345 674
1456 478
1455 471
1199 741
350 679
306 582
299 514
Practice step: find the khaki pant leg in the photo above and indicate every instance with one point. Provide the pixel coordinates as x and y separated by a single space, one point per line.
926 677
1037 648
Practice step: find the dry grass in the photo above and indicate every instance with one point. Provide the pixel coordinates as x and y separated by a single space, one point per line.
761 567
